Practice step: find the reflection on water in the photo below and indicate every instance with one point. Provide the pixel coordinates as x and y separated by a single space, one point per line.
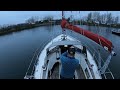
17 49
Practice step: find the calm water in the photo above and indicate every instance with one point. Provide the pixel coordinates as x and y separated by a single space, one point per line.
17 49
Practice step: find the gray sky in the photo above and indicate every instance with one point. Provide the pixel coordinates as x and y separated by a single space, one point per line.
15 17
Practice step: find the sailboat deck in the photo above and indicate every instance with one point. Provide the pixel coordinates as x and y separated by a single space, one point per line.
54 67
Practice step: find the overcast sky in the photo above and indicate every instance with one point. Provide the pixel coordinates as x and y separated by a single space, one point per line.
15 17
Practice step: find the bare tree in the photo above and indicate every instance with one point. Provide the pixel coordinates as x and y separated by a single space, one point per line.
48 18
0 26
32 20
96 17
109 18
89 17
116 20
103 18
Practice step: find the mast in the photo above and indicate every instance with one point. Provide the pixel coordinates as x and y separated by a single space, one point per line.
63 29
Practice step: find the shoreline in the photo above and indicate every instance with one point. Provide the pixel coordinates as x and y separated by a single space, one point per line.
25 26
17 28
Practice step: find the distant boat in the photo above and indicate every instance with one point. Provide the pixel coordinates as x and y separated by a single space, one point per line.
48 64
117 32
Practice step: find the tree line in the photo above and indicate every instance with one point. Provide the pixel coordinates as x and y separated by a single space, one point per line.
106 19
29 23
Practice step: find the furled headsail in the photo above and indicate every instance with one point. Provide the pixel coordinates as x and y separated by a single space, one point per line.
95 37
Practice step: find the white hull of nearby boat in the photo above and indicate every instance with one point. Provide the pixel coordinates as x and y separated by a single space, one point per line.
87 62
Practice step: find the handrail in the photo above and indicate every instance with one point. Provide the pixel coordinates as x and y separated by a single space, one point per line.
95 57
30 65
31 62
102 62
35 59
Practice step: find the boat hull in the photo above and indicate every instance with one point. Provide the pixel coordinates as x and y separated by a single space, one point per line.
116 33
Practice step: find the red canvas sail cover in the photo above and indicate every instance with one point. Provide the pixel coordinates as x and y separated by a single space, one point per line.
98 39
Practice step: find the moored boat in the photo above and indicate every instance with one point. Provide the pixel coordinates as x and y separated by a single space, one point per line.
117 32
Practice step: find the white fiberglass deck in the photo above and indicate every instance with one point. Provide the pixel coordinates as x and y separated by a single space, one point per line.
84 68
